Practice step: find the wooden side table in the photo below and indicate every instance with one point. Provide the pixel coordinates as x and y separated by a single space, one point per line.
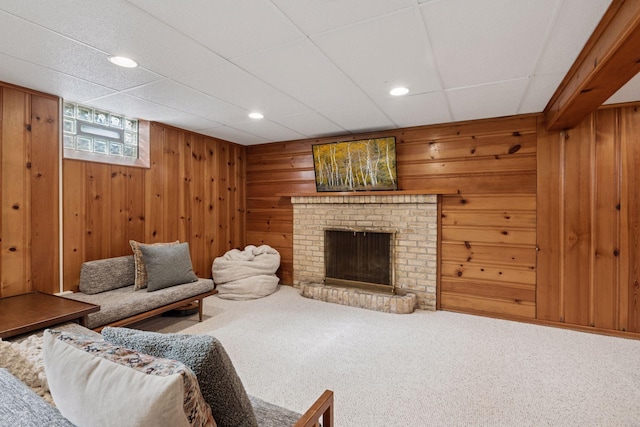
29 312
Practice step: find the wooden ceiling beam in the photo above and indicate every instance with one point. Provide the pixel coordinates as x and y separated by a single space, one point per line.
610 58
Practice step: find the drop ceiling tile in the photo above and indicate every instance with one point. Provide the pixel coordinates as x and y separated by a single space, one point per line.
359 118
491 100
233 135
190 122
628 93
230 28
381 60
478 42
539 92
313 16
56 52
575 22
268 130
416 110
123 30
22 73
135 107
304 73
180 97
247 91
311 124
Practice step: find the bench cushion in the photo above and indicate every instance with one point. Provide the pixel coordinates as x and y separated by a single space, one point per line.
106 274
121 303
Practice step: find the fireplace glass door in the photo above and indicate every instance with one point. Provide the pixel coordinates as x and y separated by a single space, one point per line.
361 259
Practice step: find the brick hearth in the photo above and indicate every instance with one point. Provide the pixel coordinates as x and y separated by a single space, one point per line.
412 217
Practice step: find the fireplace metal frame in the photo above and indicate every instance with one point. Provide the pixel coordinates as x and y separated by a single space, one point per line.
374 287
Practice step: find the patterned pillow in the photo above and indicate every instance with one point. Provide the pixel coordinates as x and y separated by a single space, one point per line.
205 355
140 280
96 383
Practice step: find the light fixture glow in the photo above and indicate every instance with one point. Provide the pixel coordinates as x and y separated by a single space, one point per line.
399 91
123 61
256 115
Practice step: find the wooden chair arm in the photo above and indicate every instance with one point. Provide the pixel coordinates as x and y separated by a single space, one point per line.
322 408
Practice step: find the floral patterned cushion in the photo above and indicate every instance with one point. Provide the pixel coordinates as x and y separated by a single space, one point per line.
140 279
94 382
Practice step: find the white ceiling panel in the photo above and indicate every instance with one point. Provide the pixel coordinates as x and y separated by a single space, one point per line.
311 124
234 135
189 121
312 67
492 100
628 93
124 30
375 59
24 73
306 74
59 53
538 93
180 97
575 22
268 129
247 91
416 110
359 118
313 16
477 42
135 107
230 28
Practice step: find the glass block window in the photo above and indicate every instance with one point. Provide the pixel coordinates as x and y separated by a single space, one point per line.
96 135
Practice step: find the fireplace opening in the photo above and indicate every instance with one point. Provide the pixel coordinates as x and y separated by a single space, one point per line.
359 259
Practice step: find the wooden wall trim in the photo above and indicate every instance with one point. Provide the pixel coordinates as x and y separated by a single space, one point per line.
608 61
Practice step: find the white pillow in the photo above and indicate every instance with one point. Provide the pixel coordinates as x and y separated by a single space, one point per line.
93 384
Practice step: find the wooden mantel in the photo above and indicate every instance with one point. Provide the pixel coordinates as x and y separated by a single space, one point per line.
370 193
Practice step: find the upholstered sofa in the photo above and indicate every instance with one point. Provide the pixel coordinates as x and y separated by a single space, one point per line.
20 405
111 283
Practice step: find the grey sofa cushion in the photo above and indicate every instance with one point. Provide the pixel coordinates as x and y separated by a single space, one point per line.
106 274
167 265
270 415
125 302
20 406
204 354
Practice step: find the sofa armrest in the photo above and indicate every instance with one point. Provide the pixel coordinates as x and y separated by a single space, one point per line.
321 409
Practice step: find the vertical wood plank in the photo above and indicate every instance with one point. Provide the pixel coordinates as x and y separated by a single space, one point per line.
630 221
74 193
548 204
606 221
171 185
99 226
44 212
135 198
210 239
15 256
196 240
154 197
578 169
184 201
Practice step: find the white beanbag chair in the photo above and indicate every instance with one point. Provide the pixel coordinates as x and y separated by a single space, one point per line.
247 274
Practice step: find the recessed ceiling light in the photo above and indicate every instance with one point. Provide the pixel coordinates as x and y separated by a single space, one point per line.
123 61
256 115
399 91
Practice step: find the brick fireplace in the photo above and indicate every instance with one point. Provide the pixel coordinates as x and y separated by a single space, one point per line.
413 219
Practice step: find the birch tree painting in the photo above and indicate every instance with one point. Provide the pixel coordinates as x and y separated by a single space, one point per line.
365 165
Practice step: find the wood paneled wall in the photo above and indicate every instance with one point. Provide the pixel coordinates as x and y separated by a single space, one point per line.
589 222
484 161
194 192
29 196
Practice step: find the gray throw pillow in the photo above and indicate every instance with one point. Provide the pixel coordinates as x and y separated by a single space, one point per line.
204 354
167 265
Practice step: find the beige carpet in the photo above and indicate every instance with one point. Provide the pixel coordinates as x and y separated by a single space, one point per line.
421 369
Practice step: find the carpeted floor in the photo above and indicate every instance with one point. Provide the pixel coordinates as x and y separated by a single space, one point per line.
421 369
